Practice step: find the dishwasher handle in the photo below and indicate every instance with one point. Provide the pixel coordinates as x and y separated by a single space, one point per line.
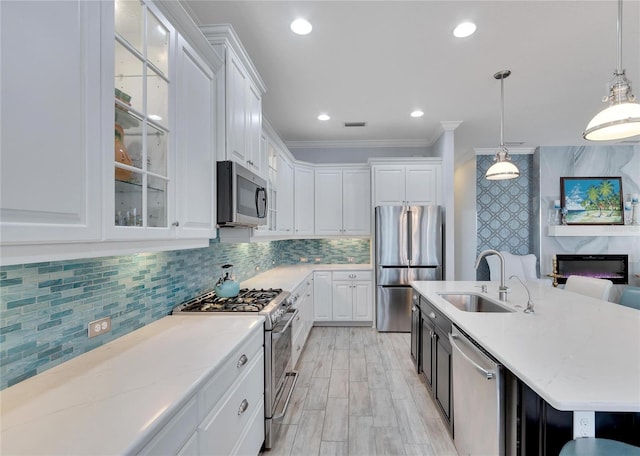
488 374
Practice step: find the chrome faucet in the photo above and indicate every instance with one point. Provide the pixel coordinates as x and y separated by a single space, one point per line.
529 309
503 289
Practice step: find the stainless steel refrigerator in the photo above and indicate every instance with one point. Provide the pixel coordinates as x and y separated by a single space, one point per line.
408 246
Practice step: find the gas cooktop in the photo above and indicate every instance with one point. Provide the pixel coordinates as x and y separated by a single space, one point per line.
248 300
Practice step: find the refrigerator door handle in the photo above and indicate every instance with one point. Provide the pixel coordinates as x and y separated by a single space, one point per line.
409 237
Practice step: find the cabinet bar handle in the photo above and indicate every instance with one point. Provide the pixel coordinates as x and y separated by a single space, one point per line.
244 405
176 223
242 361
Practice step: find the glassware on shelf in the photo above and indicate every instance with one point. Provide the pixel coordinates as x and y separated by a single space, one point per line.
635 210
555 216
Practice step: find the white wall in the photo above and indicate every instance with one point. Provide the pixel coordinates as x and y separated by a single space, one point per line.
444 148
465 216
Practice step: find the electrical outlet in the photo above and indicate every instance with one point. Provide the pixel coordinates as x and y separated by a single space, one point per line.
98 327
583 424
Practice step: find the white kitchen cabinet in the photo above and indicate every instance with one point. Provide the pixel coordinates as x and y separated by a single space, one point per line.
195 145
411 184
322 296
352 295
98 179
141 179
342 201
343 296
243 89
303 199
226 415
284 196
232 402
51 127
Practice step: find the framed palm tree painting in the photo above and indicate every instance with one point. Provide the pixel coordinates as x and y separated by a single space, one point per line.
592 200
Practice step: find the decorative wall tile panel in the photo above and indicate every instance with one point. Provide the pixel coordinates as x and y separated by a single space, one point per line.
504 210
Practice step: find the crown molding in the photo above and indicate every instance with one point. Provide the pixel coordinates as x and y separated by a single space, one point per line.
224 34
450 125
357 143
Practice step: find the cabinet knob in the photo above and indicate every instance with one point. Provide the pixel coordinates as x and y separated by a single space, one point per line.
432 315
176 223
242 361
244 405
298 348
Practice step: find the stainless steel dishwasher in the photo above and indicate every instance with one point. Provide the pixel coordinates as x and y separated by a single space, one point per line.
478 398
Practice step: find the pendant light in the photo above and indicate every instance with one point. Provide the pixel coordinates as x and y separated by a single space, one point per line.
503 168
622 118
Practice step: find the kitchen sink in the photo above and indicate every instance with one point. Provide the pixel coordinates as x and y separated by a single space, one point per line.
473 303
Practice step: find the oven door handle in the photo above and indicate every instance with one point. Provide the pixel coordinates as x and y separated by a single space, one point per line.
278 334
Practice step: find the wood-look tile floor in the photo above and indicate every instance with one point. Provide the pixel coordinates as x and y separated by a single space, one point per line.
358 394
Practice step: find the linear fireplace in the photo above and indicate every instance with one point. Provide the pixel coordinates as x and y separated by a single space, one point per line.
612 267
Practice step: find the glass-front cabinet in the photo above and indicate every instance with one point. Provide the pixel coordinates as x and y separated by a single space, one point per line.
142 87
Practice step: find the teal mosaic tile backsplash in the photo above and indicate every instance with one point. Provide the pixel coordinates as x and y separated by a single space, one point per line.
45 307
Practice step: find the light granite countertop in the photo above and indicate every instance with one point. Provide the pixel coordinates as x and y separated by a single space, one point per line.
578 353
113 399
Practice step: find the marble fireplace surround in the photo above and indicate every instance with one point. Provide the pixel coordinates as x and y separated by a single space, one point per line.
551 163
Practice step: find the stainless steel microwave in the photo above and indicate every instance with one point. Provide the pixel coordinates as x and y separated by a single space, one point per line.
242 196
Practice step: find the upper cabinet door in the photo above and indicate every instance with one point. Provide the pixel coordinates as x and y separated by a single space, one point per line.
284 220
142 58
356 202
195 152
255 158
237 81
50 143
328 202
422 184
303 199
389 186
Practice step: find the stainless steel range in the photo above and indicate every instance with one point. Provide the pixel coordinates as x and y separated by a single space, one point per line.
276 306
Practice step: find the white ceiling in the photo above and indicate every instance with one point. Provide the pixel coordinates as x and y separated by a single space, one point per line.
376 61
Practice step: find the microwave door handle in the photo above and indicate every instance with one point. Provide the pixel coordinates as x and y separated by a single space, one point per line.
257 196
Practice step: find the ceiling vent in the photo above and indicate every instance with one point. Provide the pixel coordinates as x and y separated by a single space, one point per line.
355 124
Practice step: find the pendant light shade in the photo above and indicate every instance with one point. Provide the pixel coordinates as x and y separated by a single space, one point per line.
503 168
622 118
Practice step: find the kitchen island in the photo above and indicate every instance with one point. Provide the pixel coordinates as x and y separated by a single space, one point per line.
575 360
578 353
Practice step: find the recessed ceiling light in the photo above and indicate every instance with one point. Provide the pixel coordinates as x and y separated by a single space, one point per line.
464 30
417 113
301 26
324 117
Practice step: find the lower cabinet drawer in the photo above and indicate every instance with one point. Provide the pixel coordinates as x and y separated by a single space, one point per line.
221 430
230 371
352 275
253 437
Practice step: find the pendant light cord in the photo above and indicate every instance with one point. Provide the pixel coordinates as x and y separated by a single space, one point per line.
619 68
502 113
